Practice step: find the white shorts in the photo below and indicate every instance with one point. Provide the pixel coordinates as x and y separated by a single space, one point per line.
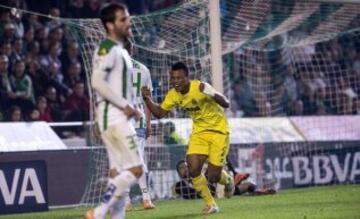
122 146
141 149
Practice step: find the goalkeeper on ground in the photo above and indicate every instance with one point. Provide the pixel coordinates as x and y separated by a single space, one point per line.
185 189
210 134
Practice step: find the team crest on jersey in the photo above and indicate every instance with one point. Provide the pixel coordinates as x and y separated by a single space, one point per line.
194 102
102 51
195 107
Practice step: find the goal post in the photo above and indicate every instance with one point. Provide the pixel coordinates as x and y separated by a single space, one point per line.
215 41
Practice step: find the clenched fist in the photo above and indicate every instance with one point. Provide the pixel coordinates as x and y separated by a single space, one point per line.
145 92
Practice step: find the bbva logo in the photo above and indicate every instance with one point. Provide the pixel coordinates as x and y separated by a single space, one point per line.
23 187
29 187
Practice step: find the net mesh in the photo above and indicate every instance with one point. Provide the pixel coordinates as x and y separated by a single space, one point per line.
281 58
159 41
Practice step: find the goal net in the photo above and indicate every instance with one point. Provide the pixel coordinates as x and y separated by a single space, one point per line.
297 61
160 39
281 58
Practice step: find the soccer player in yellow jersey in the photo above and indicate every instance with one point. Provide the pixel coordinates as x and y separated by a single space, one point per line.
210 133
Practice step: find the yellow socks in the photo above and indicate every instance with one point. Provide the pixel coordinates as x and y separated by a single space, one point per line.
225 178
201 185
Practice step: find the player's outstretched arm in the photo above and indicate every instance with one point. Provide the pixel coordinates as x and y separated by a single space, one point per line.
218 97
154 108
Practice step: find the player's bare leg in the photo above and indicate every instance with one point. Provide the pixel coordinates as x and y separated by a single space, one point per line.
216 174
195 163
147 203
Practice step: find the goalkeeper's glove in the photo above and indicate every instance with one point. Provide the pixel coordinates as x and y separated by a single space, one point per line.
208 89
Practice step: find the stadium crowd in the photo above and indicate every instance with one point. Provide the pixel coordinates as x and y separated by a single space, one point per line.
324 81
42 75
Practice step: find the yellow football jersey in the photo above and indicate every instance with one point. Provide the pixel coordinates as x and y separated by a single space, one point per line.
206 114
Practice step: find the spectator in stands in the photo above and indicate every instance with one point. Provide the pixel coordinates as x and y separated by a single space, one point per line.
44 110
297 108
15 114
9 31
306 92
280 101
4 18
41 35
91 8
345 97
33 51
76 9
20 88
54 103
78 104
29 36
56 35
245 96
19 26
54 23
55 78
321 104
263 106
6 49
17 52
54 52
4 80
136 7
33 115
291 85
161 4
37 76
32 21
73 74
71 55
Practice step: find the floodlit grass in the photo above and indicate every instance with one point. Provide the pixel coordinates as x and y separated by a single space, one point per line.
328 202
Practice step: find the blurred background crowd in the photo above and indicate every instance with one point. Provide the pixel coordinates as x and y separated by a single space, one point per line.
320 79
42 75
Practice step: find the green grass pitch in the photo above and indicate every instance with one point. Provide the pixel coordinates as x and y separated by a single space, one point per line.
328 202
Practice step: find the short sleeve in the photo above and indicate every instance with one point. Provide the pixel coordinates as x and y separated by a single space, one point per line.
104 62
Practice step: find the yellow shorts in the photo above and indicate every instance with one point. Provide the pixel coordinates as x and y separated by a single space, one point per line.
214 144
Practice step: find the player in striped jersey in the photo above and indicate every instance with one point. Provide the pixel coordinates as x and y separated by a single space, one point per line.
141 78
112 81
